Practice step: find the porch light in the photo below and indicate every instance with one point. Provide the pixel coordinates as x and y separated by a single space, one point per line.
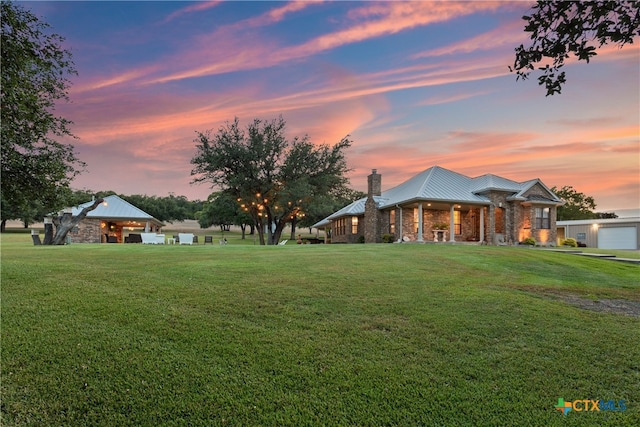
595 226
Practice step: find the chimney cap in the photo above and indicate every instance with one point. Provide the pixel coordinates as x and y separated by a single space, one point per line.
374 171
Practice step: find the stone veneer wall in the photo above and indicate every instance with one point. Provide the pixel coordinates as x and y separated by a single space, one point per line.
469 220
88 231
347 237
372 222
372 216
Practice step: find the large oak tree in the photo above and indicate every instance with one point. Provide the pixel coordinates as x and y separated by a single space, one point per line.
36 168
271 177
561 29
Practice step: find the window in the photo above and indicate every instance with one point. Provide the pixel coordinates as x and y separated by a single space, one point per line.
416 221
340 227
392 221
457 223
354 225
543 221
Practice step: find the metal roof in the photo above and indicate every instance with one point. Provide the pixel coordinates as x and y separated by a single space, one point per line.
437 184
115 208
630 220
440 184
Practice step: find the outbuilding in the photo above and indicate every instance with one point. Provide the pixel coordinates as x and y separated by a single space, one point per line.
113 221
614 233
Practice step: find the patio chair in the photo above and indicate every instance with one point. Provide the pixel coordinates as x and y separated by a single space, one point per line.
185 238
195 239
208 239
284 242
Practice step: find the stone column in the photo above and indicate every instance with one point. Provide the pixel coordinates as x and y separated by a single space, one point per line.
420 223
492 224
481 224
452 226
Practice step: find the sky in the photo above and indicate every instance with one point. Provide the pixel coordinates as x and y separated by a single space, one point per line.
414 84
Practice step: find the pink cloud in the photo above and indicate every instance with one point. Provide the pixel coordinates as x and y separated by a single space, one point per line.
197 7
509 35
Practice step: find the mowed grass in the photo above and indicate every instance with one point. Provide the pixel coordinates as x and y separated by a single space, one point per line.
133 335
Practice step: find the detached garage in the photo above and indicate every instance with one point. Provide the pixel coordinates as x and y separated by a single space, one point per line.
617 233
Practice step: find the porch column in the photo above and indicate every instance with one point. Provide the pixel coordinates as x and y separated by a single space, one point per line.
420 222
452 226
481 224
492 224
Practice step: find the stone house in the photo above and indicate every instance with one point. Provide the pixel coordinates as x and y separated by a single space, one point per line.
440 205
113 221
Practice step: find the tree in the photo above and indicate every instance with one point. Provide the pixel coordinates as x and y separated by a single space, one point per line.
577 205
34 68
64 222
222 209
327 204
272 178
560 28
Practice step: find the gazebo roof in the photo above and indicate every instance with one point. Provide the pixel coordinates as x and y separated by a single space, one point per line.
116 209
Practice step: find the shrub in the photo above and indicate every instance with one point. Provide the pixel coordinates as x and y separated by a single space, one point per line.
529 241
360 239
387 238
570 242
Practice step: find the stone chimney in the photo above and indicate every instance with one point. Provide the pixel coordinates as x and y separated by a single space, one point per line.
374 184
372 217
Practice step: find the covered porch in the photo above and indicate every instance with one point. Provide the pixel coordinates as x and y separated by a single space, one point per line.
438 222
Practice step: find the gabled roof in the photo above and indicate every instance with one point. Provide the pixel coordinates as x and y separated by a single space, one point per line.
437 184
115 208
442 185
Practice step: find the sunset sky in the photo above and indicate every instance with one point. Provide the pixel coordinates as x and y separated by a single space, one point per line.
415 84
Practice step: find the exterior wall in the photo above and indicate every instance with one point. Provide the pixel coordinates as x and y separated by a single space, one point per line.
543 235
590 232
372 222
500 222
337 236
372 216
469 223
87 231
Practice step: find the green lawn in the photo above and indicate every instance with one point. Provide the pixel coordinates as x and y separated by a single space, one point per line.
405 335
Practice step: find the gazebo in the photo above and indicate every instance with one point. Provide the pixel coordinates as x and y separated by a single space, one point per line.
113 221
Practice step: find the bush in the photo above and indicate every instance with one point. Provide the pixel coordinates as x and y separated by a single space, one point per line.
529 241
387 238
360 239
570 242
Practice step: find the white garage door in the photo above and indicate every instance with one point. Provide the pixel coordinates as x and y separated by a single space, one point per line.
617 238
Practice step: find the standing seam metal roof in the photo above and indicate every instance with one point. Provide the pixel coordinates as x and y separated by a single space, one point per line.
440 184
116 208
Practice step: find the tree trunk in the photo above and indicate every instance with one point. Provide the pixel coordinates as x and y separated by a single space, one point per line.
48 233
3 225
243 227
293 228
66 222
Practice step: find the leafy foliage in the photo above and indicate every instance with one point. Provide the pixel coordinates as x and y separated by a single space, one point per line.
271 177
223 210
577 205
36 169
325 204
560 29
